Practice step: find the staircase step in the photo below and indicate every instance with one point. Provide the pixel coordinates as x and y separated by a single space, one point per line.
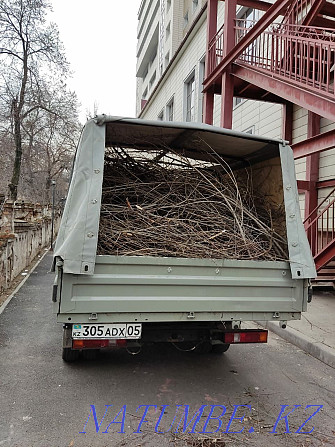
324 22
330 274
328 9
328 269
299 93
326 276
323 283
326 255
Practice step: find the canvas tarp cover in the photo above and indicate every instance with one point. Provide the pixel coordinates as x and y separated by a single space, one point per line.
78 234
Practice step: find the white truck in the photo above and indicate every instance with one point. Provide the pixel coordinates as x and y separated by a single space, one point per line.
110 300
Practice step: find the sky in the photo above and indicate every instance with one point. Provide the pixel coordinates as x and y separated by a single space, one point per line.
100 41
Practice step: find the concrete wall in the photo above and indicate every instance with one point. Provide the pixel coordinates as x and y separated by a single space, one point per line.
22 240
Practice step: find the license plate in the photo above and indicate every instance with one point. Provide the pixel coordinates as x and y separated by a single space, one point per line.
109 331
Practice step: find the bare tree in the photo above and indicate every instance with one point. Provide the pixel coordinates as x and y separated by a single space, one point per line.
29 48
50 143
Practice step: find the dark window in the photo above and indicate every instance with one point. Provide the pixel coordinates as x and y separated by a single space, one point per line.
190 93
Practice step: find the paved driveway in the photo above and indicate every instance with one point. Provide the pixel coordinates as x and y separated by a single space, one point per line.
47 403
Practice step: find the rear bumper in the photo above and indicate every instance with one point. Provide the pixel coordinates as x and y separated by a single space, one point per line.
155 317
196 332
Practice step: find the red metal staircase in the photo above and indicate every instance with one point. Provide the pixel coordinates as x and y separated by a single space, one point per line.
288 57
319 13
320 229
288 61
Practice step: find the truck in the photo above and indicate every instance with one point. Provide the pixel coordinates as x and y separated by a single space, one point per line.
112 300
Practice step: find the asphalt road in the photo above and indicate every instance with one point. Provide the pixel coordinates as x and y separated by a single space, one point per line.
47 403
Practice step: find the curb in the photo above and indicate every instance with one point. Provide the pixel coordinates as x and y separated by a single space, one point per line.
316 349
8 300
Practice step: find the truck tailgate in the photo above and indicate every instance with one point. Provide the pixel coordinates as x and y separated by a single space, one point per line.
160 286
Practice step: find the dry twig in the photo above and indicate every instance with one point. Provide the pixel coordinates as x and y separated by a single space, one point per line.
167 205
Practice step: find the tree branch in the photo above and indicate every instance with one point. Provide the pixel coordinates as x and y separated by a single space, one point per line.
39 106
6 51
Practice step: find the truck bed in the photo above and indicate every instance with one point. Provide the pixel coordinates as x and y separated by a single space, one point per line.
149 289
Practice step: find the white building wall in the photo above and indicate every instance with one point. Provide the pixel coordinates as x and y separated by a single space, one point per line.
177 26
147 49
299 133
327 158
173 83
326 164
162 26
261 118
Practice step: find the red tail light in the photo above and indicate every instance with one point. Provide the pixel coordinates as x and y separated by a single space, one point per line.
97 344
247 336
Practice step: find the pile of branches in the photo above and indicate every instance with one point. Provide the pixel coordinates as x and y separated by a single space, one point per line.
167 205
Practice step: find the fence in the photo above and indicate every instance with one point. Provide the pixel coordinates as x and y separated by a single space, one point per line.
25 230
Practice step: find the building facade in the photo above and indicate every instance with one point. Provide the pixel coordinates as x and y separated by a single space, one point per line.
265 68
162 25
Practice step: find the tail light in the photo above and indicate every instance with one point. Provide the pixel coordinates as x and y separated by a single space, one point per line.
98 344
247 336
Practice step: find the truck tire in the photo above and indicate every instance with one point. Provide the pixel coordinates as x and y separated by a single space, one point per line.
90 354
204 347
220 348
70 355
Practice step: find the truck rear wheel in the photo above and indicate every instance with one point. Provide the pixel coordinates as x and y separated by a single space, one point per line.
220 348
203 347
90 354
70 355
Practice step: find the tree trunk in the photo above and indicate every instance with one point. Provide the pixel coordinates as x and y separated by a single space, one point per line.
17 106
48 187
18 152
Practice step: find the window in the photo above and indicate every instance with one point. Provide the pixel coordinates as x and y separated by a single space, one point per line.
145 74
237 101
189 98
244 22
170 110
167 59
250 130
152 80
200 88
168 5
160 117
186 20
195 4
153 57
247 19
168 31
144 95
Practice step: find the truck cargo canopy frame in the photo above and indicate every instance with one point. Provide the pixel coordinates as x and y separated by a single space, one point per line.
78 235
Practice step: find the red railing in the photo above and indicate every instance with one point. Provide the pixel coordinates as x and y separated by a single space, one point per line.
297 11
320 225
215 50
301 54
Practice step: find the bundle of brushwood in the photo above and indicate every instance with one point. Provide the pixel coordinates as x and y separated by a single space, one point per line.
167 205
